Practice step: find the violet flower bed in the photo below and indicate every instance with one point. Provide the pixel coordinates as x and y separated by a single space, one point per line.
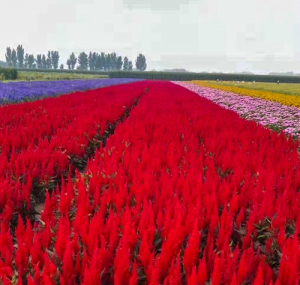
28 91
270 114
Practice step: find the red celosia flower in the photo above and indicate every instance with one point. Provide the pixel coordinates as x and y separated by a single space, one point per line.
259 279
191 252
161 192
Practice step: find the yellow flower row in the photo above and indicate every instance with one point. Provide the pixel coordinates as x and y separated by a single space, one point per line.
283 99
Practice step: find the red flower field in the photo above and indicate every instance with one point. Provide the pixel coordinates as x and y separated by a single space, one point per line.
145 183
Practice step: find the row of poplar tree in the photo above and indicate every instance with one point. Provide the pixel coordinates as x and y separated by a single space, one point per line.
18 58
92 61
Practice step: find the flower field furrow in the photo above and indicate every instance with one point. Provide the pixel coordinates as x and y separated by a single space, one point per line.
283 99
43 140
267 113
184 192
28 91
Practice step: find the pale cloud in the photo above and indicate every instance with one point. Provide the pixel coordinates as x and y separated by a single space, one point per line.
156 4
199 35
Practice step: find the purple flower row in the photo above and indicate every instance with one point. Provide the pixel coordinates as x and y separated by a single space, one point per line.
266 113
23 91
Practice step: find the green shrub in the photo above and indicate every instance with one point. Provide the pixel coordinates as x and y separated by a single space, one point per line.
95 72
39 76
186 76
8 73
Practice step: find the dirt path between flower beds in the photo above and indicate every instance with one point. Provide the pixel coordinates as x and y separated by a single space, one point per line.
81 164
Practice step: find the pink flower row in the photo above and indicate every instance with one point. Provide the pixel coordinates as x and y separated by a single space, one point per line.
266 113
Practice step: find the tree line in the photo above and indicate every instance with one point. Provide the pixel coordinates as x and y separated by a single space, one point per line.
92 61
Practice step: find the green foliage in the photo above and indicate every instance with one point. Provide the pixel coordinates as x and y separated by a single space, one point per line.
119 63
71 62
49 60
186 76
140 63
26 61
130 66
20 56
107 62
8 56
99 64
35 74
126 63
83 61
14 58
93 72
103 57
8 73
54 59
31 61
44 61
113 61
3 64
39 61
93 60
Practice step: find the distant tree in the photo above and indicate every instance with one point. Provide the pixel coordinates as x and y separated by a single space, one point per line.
14 58
61 66
95 56
130 66
26 61
98 62
113 61
3 64
83 61
44 61
107 63
126 63
54 59
92 60
72 60
8 56
140 63
31 61
119 63
69 63
20 55
49 61
103 60
39 61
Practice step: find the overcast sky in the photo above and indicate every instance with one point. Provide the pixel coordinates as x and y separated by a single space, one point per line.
198 35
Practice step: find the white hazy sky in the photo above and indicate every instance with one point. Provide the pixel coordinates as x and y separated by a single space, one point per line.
198 35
